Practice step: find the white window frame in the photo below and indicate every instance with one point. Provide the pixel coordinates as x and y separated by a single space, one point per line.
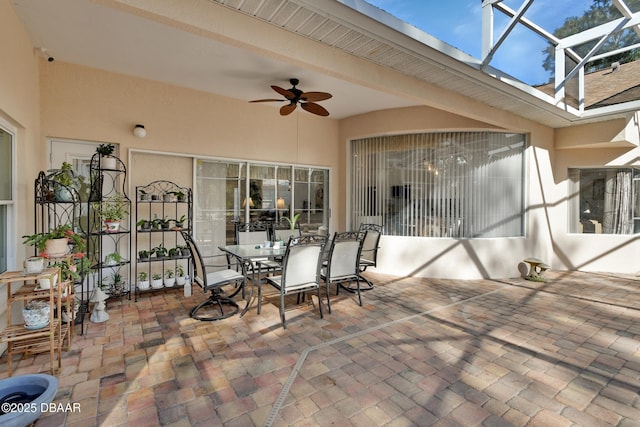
12 218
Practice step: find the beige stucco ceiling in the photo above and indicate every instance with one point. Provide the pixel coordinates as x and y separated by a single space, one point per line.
367 59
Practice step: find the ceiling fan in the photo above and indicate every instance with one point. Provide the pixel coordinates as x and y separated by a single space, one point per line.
295 96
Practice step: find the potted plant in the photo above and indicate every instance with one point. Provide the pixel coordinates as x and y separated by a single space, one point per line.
169 278
144 196
180 279
160 251
167 197
113 211
156 282
184 250
117 284
144 224
107 161
165 223
143 281
174 253
292 223
179 222
144 255
55 242
114 258
180 196
67 178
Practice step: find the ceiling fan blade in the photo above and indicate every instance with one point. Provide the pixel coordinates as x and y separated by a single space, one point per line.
268 100
315 96
284 92
314 108
287 109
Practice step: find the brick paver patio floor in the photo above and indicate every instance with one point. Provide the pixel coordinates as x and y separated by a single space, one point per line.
419 352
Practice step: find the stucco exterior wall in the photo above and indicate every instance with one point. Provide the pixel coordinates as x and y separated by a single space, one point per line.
546 235
19 108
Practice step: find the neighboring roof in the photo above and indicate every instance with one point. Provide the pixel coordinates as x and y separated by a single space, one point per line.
607 87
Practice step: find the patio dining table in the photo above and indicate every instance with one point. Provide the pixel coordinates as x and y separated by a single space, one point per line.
248 254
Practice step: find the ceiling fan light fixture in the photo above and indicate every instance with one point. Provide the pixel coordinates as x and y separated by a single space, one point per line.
295 96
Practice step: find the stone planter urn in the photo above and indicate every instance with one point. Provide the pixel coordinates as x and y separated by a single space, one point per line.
34 391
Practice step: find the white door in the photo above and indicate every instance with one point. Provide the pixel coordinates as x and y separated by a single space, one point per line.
77 153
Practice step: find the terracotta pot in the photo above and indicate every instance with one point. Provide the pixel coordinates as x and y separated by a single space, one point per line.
56 247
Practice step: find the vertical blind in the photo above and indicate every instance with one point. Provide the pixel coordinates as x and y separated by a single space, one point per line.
449 184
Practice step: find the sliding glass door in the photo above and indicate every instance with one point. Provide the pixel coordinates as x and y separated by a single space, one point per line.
227 192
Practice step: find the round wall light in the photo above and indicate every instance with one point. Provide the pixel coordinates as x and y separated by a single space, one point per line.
139 131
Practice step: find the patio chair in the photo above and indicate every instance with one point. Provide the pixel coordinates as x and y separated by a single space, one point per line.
300 271
255 233
369 256
282 231
212 278
343 264
251 233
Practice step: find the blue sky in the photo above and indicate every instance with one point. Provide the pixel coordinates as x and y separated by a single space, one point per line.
459 23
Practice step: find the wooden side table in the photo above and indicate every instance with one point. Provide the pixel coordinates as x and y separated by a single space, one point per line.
50 338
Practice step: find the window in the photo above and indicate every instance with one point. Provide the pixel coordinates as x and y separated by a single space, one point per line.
453 184
224 195
604 200
6 195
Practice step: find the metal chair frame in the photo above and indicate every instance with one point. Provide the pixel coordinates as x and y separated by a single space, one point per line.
214 282
343 263
300 271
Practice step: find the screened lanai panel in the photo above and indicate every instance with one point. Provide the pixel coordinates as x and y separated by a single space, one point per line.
453 184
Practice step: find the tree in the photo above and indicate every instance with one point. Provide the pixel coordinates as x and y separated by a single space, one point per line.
600 12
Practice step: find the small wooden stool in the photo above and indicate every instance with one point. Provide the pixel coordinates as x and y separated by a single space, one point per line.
536 268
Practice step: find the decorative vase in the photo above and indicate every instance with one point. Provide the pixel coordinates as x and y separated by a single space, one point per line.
143 285
36 314
169 282
56 247
180 280
156 283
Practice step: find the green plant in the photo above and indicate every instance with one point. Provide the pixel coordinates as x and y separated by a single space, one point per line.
144 224
67 176
144 254
67 271
143 276
179 271
39 240
169 273
179 194
105 149
156 276
160 251
179 220
114 209
292 222
115 257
